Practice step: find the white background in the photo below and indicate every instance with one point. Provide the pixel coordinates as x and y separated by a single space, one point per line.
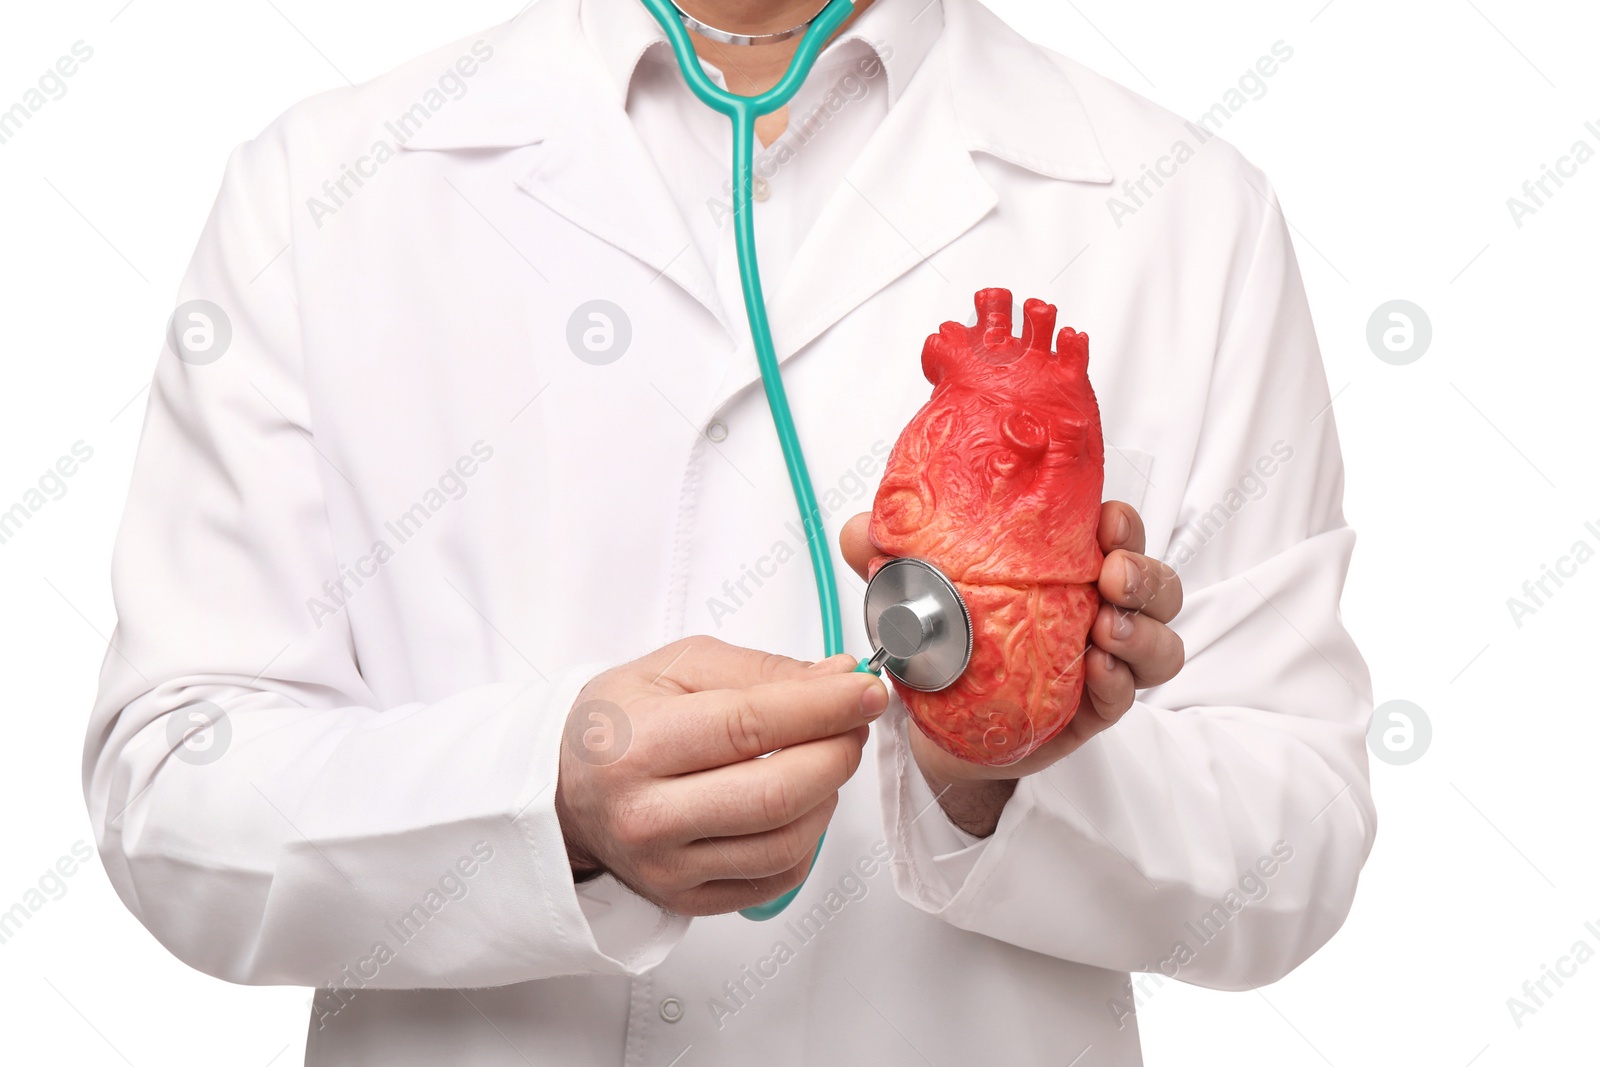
1394 136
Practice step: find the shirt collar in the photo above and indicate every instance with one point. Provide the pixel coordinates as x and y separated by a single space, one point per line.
1013 99
900 32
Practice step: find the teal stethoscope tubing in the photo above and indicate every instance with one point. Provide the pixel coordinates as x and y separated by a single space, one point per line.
743 112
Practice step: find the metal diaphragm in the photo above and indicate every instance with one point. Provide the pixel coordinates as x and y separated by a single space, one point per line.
916 617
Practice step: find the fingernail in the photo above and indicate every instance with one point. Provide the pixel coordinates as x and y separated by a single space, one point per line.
874 699
1122 625
1130 577
1123 528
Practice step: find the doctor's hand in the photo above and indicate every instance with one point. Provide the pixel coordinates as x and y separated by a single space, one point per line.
686 815
1131 648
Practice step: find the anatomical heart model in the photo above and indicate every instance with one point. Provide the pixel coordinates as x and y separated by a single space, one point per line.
997 481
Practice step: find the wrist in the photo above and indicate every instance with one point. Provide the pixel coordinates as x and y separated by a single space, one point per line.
583 872
974 806
585 867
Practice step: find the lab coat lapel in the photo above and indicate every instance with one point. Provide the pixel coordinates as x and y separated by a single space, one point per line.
913 190
916 189
597 174
547 91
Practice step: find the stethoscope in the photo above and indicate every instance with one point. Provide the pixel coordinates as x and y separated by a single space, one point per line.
916 620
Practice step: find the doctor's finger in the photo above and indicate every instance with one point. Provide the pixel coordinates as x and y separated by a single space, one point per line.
1152 650
702 662
1120 527
854 544
756 796
760 855
723 896
729 726
1136 581
1108 689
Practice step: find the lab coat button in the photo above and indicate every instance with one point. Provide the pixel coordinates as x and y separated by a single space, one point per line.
717 432
761 189
672 1009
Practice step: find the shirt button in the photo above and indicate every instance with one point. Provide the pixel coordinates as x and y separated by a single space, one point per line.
762 189
672 1009
717 432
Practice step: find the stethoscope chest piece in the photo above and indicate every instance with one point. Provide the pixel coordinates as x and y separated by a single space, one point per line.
918 624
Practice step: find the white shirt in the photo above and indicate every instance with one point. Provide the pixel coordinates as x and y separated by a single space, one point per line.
394 526
855 80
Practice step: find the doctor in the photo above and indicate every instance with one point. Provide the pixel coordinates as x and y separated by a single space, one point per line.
460 581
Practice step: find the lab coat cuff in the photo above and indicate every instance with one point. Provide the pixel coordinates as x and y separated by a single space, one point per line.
604 927
934 858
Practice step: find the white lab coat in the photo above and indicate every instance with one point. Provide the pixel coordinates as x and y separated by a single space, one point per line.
398 523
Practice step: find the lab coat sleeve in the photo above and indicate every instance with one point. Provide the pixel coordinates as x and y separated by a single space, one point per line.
311 836
1216 832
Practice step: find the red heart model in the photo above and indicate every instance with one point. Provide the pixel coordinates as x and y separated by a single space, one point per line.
997 482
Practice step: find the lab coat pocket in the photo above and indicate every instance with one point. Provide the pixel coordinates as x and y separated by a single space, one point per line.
1127 475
